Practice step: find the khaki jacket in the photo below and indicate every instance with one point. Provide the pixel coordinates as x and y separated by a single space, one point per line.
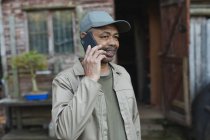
79 108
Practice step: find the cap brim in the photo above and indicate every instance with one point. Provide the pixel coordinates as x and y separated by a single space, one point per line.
122 25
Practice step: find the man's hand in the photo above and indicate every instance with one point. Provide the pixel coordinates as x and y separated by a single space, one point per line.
92 62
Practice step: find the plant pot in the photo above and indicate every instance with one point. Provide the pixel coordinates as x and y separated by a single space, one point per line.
36 96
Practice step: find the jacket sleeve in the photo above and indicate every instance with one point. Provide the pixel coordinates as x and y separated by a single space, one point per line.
71 111
136 117
136 121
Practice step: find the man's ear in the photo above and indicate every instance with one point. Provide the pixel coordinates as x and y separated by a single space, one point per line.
82 34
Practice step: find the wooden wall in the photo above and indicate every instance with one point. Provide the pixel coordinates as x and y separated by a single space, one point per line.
199 55
155 45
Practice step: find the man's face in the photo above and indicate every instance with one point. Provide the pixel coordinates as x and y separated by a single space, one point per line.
108 37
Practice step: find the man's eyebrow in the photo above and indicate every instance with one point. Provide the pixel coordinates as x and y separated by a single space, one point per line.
106 32
117 33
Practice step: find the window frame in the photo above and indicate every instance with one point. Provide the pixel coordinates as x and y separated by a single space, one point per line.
51 47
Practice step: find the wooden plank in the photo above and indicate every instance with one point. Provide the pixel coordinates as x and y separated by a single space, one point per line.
199 11
50 34
203 52
192 79
169 3
208 51
155 61
175 47
139 58
48 7
199 5
198 54
3 55
32 121
19 118
35 122
39 134
178 103
186 91
13 49
26 32
2 120
31 116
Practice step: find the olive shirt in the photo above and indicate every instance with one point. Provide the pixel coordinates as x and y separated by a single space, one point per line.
79 109
114 118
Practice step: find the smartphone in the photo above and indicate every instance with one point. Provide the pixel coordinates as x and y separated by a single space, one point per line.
88 40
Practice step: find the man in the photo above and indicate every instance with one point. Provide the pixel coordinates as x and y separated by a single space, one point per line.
94 100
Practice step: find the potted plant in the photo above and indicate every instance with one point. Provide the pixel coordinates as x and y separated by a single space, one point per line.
31 62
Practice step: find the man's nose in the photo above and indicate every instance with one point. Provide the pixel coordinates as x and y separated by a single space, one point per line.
113 41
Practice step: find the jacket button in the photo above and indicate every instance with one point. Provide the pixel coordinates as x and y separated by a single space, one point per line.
105 133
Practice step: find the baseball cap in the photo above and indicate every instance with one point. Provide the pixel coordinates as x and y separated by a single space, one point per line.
101 18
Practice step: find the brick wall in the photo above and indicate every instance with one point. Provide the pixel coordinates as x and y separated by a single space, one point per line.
16 9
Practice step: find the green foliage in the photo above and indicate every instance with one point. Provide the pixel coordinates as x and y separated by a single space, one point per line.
30 61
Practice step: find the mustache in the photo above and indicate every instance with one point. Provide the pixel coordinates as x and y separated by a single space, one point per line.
110 48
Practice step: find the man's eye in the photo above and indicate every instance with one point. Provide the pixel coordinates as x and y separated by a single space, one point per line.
117 37
105 36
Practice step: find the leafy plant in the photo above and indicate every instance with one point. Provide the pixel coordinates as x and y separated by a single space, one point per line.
31 61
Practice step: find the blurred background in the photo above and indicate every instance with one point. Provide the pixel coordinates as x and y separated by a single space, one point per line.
166 53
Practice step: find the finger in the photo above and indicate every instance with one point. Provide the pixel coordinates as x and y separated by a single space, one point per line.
100 57
99 47
95 50
99 52
87 51
92 51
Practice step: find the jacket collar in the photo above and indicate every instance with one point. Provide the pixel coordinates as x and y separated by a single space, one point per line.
78 69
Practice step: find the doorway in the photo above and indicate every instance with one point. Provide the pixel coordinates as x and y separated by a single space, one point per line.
139 48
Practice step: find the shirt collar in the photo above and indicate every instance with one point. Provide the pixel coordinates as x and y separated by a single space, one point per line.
78 69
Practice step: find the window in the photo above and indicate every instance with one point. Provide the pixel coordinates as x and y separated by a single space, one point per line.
62 29
38 38
51 32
